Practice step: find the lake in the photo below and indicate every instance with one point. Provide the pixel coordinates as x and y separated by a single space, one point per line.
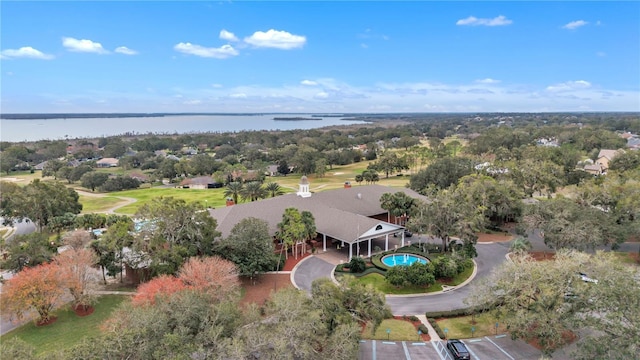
57 129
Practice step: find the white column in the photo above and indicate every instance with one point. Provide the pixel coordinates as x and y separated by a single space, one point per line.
403 238
350 251
369 248
386 242
324 242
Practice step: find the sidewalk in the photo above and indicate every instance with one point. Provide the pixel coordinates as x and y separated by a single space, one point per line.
432 332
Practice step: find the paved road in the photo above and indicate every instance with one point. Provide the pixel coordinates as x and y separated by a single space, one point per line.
489 256
310 269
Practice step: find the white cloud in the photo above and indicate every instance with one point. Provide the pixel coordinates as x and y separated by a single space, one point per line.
487 81
192 102
575 24
569 85
83 45
223 52
125 50
238 96
25 52
226 35
276 39
474 21
217 86
601 54
308 82
322 95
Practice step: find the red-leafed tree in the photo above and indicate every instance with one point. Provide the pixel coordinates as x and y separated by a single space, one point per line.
75 269
212 274
161 286
38 288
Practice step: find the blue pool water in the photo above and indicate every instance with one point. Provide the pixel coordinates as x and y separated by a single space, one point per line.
403 259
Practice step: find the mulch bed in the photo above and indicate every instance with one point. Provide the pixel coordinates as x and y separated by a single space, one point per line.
49 322
83 310
264 285
483 237
292 262
424 337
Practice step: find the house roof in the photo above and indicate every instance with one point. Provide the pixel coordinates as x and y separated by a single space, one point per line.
107 161
342 214
609 154
201 180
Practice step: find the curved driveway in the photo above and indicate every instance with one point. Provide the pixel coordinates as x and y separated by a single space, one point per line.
489 256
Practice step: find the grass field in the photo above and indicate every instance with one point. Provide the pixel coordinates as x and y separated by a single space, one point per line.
68 330
460 327
399 330
93 204
333 179
378 281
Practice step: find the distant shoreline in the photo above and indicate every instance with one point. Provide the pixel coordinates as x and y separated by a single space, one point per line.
296 119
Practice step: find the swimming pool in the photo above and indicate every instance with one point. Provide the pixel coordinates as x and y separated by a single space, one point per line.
403 259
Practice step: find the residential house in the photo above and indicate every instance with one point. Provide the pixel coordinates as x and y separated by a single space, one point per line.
201 182
107 162
605 156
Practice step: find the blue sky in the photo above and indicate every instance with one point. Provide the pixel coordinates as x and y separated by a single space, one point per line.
305 56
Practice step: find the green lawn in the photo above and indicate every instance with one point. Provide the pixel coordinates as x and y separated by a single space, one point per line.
460 327
378 282
93 204
69 329
399 330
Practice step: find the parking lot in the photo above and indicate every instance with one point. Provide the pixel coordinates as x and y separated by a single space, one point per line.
499 347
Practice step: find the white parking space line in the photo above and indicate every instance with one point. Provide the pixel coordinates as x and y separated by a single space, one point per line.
471 352
499 348
406 351
433 343
373 349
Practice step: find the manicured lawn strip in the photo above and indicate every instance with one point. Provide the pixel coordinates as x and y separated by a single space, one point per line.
208 197
25 176
94 204
378 281
460 327
400 330
69 329
460 278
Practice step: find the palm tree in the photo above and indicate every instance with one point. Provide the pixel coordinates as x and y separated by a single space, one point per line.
274 189
310 230
520 245
233 190
253 191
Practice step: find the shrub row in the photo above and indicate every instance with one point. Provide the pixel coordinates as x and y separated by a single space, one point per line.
437 328
423 328
461 312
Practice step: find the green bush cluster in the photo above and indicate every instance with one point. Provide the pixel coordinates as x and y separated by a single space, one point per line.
423 328
437 328
357 264
416 274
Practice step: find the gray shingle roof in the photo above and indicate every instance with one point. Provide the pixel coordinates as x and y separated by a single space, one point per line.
342 214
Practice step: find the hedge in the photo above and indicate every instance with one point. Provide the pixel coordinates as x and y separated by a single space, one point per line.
437 328
423 328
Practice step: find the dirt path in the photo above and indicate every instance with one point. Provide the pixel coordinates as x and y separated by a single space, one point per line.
127 200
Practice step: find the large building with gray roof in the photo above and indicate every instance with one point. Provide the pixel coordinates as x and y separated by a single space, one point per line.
350 215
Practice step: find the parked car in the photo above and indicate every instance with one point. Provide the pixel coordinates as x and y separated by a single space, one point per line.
407 234
458 350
